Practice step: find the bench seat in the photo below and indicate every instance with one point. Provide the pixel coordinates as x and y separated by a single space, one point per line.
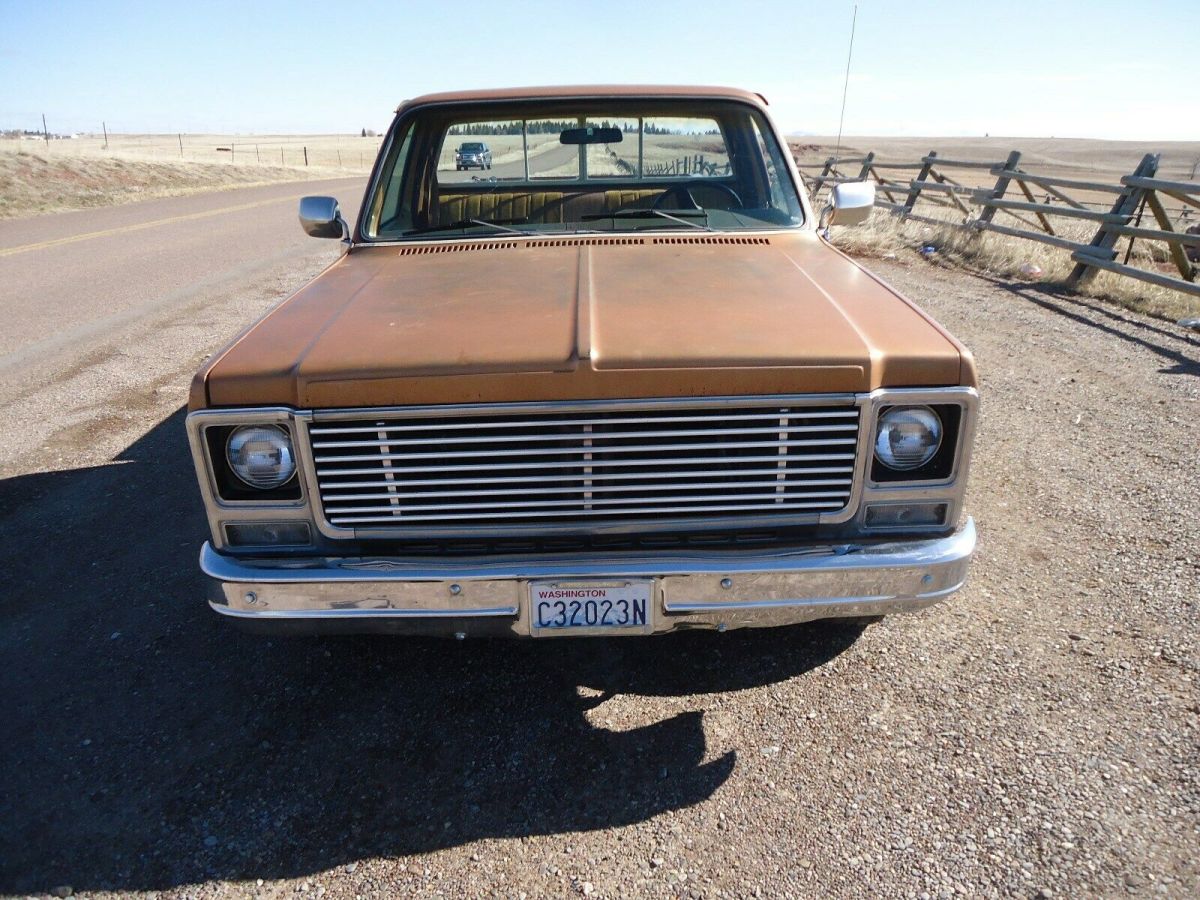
537 207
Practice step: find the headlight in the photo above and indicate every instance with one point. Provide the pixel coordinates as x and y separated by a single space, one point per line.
261 456
907 437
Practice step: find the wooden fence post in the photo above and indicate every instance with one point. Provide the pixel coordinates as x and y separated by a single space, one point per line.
818 183
1105 239
1046 226
915 190
1001 186
868 164
1178 255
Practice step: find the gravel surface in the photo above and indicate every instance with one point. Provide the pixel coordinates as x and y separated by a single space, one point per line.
1035 736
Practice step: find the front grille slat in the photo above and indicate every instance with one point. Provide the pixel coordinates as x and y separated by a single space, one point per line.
486 469
593 501
475 425
593 488
608 436
591 513
329 484
620 448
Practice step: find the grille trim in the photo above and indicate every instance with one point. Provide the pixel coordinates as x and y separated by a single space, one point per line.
589 467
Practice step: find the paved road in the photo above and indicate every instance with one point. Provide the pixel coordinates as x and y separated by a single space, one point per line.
99 303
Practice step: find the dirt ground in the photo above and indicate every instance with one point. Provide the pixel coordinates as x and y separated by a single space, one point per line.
1034 736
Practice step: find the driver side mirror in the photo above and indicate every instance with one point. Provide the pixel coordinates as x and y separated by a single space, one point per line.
322 217
849 203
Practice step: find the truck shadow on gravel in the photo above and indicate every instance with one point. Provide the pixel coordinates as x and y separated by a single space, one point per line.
1178 348
148 745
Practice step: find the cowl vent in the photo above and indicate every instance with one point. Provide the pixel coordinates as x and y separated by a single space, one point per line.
585 242
576 242
457 248
712 240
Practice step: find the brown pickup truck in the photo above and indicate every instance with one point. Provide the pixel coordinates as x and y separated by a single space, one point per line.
617 384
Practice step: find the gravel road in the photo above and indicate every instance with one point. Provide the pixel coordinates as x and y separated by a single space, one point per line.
1035 736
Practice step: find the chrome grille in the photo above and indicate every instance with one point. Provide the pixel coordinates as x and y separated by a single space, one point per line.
585 467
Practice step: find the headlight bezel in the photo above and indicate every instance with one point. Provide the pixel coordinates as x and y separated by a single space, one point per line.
226 500
943 480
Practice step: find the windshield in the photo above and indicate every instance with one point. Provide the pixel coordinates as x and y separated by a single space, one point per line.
581 167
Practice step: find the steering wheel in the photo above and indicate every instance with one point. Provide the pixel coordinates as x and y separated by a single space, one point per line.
684 192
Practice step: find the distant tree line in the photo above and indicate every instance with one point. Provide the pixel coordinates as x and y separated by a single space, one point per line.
546 126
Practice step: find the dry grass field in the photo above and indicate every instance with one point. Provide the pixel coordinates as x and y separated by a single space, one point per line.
33 185
1069 157
328 151
39 177
887 237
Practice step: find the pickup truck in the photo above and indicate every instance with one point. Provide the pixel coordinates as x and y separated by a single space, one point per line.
473 155
625 386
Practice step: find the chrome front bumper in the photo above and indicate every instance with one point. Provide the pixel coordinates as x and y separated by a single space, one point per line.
490 596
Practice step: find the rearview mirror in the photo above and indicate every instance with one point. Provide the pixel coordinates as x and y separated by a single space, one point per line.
850 203
590 135
322 217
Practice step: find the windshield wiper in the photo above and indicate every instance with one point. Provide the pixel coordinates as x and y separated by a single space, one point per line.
674 215
498 224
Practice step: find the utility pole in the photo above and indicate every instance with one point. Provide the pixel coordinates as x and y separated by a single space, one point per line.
180 136
104 125
45 131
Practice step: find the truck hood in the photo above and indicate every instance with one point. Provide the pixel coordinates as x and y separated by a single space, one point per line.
578 318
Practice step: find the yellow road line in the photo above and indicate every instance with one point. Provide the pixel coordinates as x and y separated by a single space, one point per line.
124 229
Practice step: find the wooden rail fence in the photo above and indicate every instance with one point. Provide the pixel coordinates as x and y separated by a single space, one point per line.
695 164
977 206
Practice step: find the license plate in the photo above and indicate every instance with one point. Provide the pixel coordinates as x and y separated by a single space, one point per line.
582 607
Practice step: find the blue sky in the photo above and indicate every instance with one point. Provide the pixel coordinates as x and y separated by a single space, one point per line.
1087 68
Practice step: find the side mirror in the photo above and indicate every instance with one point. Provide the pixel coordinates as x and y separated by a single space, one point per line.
850 203
322 217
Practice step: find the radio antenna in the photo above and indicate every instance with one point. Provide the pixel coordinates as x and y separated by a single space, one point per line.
846 85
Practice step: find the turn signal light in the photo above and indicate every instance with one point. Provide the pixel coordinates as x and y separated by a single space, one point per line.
905 515
268 534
